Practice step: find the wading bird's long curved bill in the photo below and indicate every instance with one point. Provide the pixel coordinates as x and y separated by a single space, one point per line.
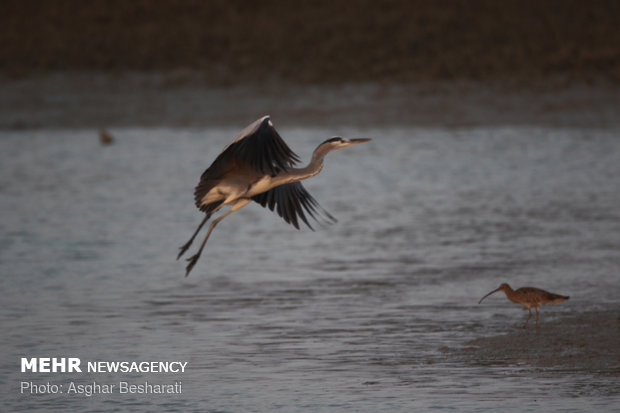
494 291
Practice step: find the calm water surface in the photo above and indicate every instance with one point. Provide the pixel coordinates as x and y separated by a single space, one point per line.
368 314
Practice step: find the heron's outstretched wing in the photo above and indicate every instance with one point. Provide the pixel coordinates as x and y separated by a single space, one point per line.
290 201
258 150
260 147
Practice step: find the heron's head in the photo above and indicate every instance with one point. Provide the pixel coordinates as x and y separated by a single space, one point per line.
338 142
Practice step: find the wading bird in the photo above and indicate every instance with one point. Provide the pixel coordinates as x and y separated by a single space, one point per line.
528 297
105 138
258 166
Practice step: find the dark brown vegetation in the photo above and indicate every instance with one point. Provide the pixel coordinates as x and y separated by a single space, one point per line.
322 41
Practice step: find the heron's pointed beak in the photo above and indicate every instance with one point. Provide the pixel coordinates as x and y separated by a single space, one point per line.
356 141
494 291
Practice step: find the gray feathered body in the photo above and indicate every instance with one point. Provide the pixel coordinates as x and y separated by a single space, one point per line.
259 166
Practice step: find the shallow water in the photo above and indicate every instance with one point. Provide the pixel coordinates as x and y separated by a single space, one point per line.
368 314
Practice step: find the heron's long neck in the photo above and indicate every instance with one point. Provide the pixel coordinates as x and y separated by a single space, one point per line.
313 168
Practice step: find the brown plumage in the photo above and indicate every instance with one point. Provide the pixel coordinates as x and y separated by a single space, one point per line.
105 138
528 297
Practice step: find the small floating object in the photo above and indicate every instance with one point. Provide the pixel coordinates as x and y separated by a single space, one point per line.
528 297
105 138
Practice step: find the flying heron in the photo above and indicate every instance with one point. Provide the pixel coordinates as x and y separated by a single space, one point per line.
528 297
259 166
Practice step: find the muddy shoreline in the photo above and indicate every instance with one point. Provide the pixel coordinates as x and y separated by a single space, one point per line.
96 100
585 343
331 42
71 64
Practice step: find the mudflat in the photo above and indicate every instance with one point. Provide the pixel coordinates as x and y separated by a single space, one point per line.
585 342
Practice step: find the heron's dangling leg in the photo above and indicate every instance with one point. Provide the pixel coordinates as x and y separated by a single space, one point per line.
194 258
185 246
536 317
528 317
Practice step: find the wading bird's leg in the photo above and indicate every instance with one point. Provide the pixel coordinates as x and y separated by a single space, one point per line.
536 317
185 246
194 258
528 317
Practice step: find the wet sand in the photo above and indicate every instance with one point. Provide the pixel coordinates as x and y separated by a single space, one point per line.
183 99
583 343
